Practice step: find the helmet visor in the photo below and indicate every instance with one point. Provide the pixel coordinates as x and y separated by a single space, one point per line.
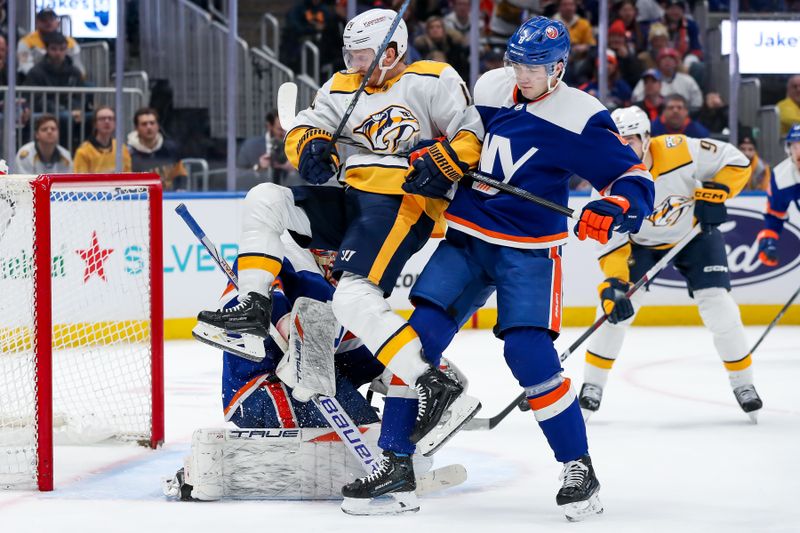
358 60
525 74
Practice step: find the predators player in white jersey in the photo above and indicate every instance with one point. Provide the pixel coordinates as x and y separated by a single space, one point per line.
693 178
373 221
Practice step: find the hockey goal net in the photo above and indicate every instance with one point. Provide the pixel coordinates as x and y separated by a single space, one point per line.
81 317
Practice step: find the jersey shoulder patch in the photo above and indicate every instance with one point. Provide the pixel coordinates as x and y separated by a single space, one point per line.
786 174
426 68
494 89
669 152
344 82
568 108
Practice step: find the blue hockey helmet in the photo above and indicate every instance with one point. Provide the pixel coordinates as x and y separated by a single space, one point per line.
792 136
539 41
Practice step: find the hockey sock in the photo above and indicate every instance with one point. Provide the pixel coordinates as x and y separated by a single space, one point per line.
359 306
721 316
435 328
533 360
399 417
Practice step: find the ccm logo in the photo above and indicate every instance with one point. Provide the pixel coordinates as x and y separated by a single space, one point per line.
715 268
710 196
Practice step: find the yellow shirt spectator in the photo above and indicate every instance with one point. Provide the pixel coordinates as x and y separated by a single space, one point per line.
789 107
580 30
92 158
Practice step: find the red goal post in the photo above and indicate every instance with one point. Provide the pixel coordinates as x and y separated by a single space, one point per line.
81 329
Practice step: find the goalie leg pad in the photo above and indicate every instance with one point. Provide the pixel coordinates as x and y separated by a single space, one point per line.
308 364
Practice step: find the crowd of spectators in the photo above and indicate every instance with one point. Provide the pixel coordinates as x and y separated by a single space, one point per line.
654 57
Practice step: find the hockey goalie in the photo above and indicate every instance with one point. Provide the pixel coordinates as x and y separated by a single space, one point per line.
282 447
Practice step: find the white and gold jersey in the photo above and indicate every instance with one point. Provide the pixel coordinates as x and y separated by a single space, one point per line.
679 166
428 100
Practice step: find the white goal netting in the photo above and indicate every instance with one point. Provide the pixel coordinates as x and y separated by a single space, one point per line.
100 308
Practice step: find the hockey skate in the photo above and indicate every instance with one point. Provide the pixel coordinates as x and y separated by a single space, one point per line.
443 410
178 487
749 401
389 489
578 494
240 330
589 399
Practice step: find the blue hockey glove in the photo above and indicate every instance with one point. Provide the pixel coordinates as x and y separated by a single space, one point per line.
709 204
616 305
434 170
768 247
317 166
600 218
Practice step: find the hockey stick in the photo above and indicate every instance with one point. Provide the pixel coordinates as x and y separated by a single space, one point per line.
477 424
522 193
775 320
329 407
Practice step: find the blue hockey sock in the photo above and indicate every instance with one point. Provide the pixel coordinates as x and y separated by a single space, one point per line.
533 360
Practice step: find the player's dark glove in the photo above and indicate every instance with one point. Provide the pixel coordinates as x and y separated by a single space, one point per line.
709 204
317 164
600 218
434 171
768 247
616 305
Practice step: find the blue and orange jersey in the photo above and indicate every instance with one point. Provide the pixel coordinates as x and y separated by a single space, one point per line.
538 146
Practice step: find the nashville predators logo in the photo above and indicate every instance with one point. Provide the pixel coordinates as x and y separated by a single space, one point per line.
668 212
386 129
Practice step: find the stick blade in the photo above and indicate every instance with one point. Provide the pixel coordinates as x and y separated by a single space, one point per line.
287 102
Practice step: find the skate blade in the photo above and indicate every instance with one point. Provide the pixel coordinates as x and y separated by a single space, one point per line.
386 504
442 478
586 414
461 412
753 416
244 345
577 511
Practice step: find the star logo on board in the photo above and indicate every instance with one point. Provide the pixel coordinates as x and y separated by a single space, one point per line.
95 258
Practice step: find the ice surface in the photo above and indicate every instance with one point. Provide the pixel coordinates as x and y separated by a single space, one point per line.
672 450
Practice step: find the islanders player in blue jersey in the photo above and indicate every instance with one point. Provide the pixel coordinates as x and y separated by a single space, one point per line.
784 188
539 132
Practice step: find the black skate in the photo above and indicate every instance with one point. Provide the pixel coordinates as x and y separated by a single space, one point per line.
240 330
749 401
578 495
389 489
438 395
589 399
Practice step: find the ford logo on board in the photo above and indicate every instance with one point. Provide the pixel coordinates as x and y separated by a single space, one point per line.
740 233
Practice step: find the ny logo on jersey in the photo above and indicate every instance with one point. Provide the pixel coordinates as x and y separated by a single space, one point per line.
386 129
498 147
669 211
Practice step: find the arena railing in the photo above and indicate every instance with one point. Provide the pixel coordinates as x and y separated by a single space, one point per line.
96 59
770 141
62 101
267 75
200 175
270 32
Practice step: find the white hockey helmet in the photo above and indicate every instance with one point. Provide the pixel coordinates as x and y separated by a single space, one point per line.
369 29
633 121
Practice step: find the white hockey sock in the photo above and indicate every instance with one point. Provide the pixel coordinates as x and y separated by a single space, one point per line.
268 211
359 306
604 347
721 315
